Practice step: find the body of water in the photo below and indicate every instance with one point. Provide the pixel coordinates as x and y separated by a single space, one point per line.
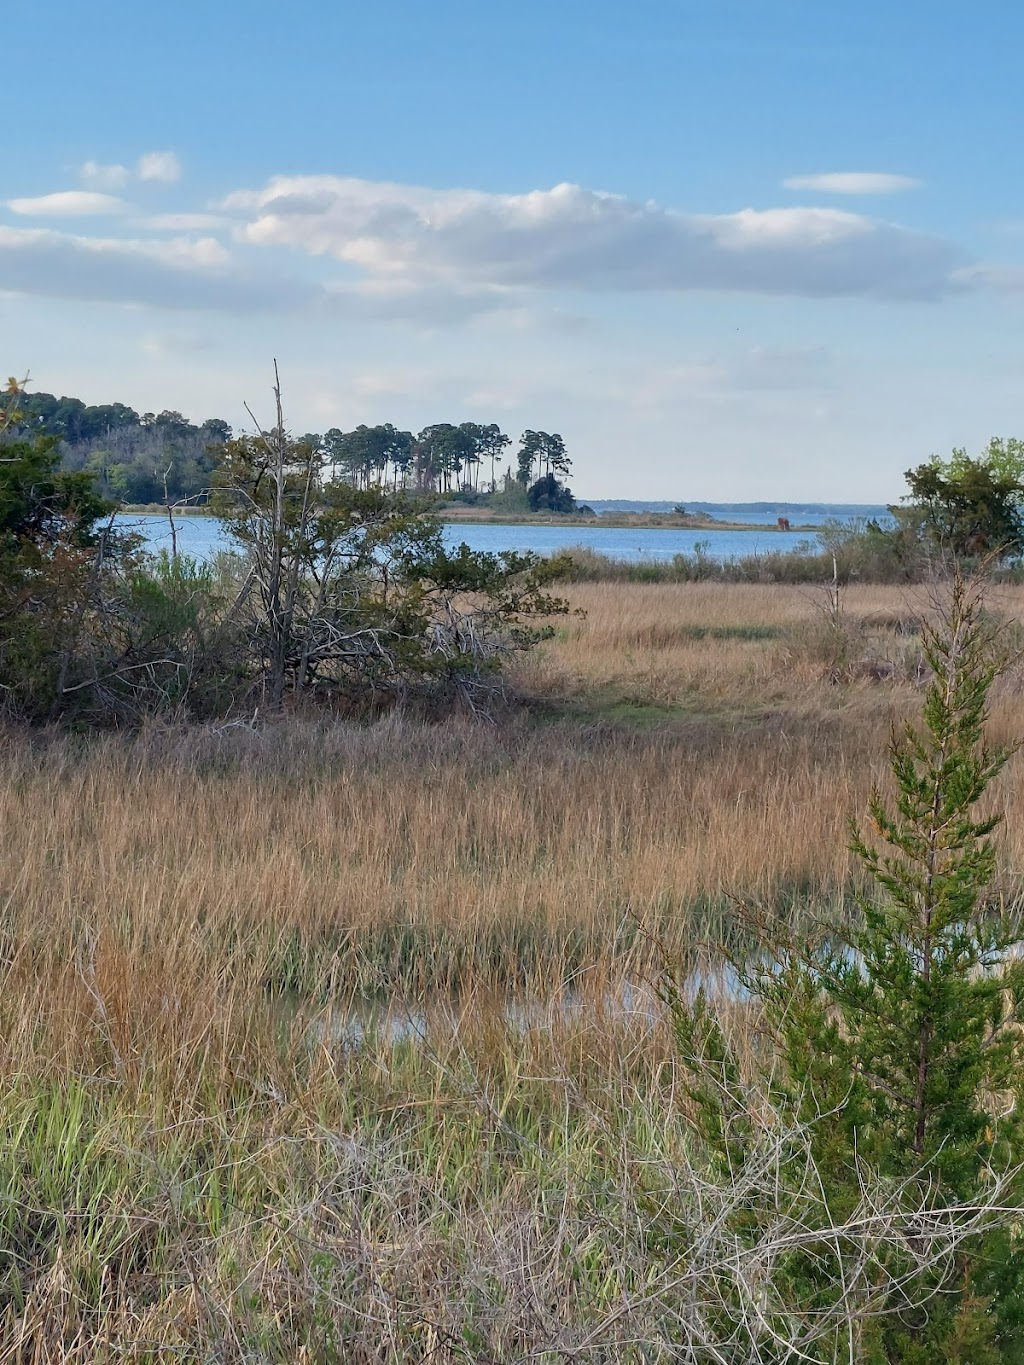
763 514
625 542
203 537
447 1014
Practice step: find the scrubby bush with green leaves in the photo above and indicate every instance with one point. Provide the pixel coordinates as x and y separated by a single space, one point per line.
352 591
341 594
50 545
969 507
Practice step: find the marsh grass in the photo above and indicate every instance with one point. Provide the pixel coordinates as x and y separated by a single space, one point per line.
199 1160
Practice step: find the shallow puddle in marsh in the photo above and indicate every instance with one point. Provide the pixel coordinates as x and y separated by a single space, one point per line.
362 1020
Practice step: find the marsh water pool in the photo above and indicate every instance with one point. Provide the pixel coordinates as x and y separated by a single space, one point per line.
204 536
357 1021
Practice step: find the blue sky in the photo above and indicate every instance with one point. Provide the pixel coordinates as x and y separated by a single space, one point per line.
731 249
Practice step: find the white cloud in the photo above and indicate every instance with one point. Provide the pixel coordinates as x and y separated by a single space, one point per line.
162 166
570 237
99 177
853 182
68 204
174 273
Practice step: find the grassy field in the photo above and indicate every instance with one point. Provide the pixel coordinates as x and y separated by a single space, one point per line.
221 1142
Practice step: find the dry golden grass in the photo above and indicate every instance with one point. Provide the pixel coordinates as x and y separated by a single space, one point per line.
695 750
755 645
739 780
178 906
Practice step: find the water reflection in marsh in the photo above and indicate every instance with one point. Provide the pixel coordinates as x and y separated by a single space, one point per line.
362 1020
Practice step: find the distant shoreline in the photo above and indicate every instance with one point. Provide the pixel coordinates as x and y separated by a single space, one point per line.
654 521
455 516
650 521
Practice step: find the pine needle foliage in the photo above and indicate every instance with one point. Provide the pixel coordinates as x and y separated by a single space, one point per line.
897 1042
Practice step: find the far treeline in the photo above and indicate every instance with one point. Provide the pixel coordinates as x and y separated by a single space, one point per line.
148 458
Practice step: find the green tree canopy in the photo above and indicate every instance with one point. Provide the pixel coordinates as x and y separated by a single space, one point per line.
970 506
41 505
548 495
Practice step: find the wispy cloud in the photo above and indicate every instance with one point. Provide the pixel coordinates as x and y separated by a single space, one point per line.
68 204
162 166
1003 279
778 368
98 176
853 182
570 237
753 373
173 344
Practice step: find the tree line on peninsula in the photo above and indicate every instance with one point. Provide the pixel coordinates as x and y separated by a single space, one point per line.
158 457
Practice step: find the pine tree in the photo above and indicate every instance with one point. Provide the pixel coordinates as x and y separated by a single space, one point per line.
923 1000
898 1042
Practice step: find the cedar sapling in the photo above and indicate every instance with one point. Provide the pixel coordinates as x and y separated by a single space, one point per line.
897 1039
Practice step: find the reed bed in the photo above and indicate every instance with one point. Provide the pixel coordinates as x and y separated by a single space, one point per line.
201 1158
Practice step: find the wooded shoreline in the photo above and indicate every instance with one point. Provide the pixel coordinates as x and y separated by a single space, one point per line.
666 521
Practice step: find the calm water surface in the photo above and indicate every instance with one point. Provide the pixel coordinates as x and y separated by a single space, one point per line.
203 537
358 1021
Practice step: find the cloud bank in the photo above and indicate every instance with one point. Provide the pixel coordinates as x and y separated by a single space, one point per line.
574 238
173 273
380 251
